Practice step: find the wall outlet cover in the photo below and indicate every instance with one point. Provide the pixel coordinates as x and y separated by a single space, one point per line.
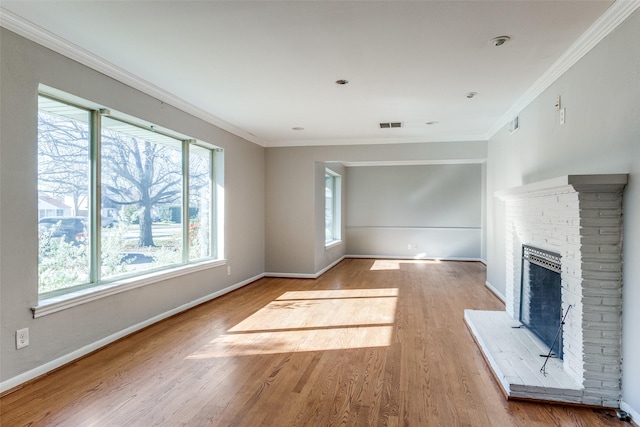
22 338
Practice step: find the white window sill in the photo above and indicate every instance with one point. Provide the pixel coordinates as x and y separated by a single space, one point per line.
332 244
72 299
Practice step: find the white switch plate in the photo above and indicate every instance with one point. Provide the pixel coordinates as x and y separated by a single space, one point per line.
562 114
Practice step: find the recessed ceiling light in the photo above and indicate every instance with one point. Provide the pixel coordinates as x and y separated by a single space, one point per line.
500 40
342 82
435 122
297 128
471 94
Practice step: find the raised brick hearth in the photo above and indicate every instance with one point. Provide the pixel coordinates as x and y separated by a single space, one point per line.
579 217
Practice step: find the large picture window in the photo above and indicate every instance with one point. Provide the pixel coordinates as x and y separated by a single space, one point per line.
117 199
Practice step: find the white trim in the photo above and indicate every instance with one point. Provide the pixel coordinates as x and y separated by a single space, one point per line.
635 415
494 291
379 141
70 357
411 227
306 275
292 275
39 35
601 28
415 162
65 301
430 258
332 244
330 266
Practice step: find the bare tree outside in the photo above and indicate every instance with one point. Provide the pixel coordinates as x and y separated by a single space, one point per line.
63 156
140 174
142 180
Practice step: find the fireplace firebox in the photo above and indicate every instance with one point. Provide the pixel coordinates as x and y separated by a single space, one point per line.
541 300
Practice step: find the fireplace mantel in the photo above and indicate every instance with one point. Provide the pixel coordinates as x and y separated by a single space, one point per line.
580 218
589 183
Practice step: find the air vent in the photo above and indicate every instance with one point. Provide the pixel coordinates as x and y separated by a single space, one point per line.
390 125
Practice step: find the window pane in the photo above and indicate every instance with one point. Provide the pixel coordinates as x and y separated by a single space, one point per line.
141 199
328 207
63 196
200 188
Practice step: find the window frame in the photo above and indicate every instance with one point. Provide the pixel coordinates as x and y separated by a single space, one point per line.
96 287
336 208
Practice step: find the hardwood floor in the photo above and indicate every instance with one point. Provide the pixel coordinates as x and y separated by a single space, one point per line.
369 343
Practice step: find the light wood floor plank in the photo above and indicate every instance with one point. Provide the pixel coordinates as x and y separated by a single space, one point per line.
370 343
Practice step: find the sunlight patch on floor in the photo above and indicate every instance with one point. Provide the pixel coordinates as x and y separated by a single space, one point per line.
339 293
311 321
320 313
256 343
396 264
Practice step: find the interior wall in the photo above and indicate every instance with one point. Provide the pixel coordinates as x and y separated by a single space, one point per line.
601 94
292 205
434 209
24 65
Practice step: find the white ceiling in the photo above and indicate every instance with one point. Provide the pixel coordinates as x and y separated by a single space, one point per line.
261 68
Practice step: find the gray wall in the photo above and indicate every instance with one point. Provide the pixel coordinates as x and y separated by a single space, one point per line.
601 94
294 239
23 66
434 208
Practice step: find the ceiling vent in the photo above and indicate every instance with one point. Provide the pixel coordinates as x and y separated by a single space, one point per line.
389 125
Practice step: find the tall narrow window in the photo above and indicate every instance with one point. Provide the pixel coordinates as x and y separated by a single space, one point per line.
200 196
64 195
332 219
117 198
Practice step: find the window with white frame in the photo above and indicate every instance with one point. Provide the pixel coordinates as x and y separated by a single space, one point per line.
131 199
332 209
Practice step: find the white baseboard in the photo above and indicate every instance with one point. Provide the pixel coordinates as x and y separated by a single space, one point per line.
413 258
292 275
493 290
635 415
306 275
70 357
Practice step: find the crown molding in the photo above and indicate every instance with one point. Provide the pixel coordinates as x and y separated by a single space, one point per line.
414 162
39 35
376 141
602 27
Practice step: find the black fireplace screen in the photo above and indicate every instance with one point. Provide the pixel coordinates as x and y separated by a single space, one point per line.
541 296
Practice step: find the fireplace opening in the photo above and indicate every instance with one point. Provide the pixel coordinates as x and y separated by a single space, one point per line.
541 296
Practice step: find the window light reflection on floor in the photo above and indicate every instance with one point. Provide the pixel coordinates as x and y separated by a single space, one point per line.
311 321
395 264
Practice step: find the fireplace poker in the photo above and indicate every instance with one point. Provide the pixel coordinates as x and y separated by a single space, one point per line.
544 365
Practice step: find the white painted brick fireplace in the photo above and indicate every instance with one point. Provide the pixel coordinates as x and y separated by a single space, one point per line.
580 218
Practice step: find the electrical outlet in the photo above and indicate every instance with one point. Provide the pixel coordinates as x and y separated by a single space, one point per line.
228 270
22 338
409 246
562 115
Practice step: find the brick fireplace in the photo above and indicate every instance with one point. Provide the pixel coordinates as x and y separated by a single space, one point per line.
578 217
